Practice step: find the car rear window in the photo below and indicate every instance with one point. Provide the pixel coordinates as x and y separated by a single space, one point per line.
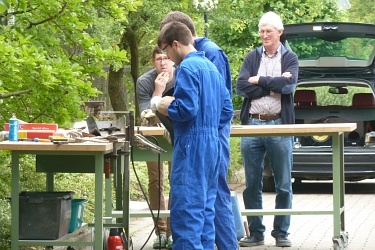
325 96
352 48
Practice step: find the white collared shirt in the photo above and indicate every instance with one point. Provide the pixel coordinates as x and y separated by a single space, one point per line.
271 104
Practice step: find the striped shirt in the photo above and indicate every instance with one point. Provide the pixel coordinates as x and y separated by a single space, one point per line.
271 104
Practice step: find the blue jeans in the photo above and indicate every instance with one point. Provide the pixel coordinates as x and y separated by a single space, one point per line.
279 150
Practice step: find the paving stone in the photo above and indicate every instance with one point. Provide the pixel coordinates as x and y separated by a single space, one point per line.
306 231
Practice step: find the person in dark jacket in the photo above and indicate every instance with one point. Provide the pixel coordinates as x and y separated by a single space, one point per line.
267 81
156 82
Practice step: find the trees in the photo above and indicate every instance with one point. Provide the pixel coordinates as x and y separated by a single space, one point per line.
232 25
138 39
362 11
49 56
54 49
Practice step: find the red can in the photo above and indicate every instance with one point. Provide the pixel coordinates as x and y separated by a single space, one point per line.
114 241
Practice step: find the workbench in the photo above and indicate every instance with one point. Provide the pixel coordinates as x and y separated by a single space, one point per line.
95 154
335 130
73 157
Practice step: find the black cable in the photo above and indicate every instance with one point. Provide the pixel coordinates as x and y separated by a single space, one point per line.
144 194
156 223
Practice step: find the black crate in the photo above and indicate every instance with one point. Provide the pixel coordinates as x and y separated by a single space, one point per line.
44 215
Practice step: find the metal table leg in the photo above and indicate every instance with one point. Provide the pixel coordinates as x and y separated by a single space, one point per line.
126 196
340 237
15 201
98 224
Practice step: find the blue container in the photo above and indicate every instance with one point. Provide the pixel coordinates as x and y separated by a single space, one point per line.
238 221
13 129
77 214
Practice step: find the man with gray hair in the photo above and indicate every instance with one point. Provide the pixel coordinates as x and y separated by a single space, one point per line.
267 81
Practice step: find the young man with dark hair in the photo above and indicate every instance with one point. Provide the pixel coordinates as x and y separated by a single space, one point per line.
225 231
199 109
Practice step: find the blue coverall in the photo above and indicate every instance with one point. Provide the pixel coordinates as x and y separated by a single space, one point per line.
225 230
202 105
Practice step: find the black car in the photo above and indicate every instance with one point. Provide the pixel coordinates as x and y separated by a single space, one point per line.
336 84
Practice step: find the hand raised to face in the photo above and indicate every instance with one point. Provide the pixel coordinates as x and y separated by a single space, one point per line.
161 82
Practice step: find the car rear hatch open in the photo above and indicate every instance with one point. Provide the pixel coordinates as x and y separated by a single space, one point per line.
342 49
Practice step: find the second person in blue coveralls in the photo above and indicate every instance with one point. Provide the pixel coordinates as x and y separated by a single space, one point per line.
200 106
225 231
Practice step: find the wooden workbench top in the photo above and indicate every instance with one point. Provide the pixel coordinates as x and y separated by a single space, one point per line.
49 146
236 131
287 129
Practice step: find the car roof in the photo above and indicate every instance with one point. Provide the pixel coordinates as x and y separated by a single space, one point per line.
337 47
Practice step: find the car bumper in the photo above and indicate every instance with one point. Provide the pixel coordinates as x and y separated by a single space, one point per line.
315 163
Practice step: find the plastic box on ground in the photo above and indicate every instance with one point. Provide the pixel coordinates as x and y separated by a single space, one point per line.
44 215
76 220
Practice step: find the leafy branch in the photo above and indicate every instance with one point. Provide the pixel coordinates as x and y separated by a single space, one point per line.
31 24
17 93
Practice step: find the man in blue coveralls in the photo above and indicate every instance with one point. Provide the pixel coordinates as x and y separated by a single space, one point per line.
199 108
226 236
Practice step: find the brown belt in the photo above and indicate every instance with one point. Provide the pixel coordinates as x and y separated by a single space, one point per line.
265 117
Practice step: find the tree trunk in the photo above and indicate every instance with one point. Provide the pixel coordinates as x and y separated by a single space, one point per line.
117 89
131 41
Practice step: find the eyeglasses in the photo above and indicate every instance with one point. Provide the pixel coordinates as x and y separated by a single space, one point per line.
265 32
159 60
163 49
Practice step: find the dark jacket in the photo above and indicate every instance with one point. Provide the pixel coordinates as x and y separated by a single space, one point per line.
283 85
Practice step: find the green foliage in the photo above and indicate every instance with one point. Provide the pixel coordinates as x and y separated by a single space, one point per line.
29 181
50 56
234 24
51 51
4 5
82 185
362 11
5 173
359 48
325 98
5 224
5 189
138 39
235 158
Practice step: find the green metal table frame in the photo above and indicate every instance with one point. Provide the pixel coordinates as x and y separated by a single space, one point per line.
336 131
122 175
95 164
